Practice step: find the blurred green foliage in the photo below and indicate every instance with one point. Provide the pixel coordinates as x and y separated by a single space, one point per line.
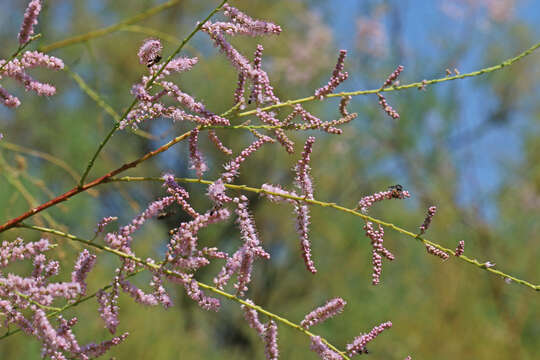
442 149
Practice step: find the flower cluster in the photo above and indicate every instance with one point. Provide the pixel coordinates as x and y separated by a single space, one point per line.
320 314
23 300
16 69
150 52
267 332
377 236
358 346
304 182
338 76
367 201
323 350
149 105
382 100
378 251
29 21
104 222
241 24
437 252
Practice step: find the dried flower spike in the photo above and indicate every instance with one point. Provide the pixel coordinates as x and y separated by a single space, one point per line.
427 221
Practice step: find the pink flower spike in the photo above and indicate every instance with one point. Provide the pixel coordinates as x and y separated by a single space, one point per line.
394 192
232 167
408 358
252 317
323 350
195 156
270 341
460 248
338 76
256 27
31 59
104 222
108 307
194 292
84 264
217 142
427 221
29 21
95 350
437 252
358 346
7 99
302 228
393 76
216 192
303 171
387 108
239 92
150 52
331 308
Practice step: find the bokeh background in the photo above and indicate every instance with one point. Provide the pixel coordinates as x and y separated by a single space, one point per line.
470 147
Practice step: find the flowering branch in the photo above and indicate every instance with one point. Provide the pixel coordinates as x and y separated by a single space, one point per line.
135 100
481 265
420 84
72 304
155 266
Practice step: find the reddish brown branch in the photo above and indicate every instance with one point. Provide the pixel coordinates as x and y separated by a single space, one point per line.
103 179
